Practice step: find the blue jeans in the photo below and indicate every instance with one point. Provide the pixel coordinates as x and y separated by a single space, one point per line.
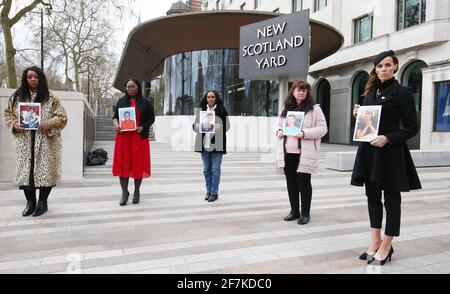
212 163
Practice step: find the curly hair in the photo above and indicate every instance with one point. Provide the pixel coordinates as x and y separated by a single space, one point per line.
290 103
204 101
22 94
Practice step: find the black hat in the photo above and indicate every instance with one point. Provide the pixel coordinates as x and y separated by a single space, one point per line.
382 56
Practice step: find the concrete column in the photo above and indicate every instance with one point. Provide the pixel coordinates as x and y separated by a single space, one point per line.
283 92
72 137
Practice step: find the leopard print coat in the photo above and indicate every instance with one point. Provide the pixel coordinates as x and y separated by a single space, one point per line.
48 145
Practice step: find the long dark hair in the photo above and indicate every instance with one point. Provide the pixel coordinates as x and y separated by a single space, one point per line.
373 80
139 89
23 92
290 104
204 101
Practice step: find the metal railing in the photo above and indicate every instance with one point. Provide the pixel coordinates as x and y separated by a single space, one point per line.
89 119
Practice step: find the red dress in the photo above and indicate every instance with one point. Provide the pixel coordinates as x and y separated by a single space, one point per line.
131 153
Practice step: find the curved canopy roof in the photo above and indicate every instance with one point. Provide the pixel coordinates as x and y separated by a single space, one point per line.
151 42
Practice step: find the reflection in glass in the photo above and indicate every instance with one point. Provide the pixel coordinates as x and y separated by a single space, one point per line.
442 110
410 13
188 75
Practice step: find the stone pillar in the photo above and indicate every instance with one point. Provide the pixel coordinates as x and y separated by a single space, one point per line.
72 137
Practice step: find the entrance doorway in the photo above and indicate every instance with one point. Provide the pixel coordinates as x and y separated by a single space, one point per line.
412 78
323 98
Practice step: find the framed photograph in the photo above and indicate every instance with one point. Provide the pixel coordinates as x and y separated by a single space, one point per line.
294 123
207 122
29 115
127 119
367 123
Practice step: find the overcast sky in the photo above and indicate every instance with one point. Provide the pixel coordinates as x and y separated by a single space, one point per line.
147 9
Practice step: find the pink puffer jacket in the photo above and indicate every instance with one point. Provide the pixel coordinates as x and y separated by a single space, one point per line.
314 127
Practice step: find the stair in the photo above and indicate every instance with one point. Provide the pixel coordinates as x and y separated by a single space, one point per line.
105 131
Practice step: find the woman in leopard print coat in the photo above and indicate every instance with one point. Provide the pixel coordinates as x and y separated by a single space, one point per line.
37 153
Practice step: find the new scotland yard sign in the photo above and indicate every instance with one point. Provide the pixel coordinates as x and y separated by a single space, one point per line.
275 48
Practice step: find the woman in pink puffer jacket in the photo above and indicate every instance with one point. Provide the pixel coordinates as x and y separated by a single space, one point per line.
299 155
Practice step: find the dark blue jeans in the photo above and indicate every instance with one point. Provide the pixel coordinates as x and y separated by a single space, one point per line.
212 163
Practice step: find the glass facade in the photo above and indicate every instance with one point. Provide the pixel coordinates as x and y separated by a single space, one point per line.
442 107
359 84
363 29
410 13
188 75
297 5
412 78
319 4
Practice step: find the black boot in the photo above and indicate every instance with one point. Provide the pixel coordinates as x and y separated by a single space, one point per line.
41 208
292 216
303 220
213 197
30 195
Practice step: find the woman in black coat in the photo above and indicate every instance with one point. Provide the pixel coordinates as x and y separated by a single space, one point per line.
212 146
385 164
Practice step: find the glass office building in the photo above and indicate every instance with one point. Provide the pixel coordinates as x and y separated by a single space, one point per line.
187 76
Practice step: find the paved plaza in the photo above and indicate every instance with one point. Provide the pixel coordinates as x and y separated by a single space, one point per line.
173 230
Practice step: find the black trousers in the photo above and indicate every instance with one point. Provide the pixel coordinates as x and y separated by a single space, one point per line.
297 183
392 202
30 191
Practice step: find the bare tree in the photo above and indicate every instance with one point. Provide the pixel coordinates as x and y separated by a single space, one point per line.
77 36
7 23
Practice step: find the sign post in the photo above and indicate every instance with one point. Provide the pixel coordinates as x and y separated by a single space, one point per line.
276 49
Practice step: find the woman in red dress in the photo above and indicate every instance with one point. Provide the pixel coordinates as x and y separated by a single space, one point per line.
132 149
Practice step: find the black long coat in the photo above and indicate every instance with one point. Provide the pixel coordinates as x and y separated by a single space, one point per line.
390 167
218 143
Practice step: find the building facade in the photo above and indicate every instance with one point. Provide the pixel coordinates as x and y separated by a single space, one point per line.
417 30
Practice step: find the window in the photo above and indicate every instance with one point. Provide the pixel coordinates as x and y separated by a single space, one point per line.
257 4
297 5
243 6
442 107
359 84
277 10
319 4
363 29
217 4
410 13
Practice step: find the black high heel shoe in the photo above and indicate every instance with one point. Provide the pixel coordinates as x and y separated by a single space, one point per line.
366 256
124 199
136 197
375 261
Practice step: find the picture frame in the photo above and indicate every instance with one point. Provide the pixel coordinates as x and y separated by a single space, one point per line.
207 122
29 115
127 119
294 123
367 123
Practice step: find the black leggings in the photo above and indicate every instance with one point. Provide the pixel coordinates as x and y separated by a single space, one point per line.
297 183
392 201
